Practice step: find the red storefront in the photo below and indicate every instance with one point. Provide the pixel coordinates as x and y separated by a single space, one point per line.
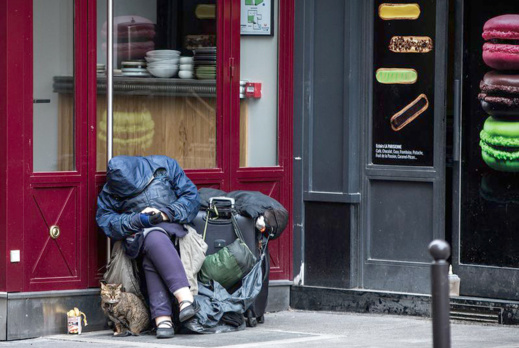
53 117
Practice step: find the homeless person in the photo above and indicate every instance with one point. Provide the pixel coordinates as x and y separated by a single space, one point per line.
144 202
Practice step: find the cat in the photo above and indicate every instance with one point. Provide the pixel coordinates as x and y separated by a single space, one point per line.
127 311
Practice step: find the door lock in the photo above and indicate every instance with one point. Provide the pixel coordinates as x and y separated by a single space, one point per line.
54 231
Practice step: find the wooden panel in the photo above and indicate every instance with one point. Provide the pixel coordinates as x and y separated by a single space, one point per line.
65 133
183 128
49 259
244 131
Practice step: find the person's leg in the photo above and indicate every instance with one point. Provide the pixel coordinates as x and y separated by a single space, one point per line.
161 252
159 249
160 300
158 293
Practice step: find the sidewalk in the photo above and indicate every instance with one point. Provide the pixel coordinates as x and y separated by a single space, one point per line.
305 329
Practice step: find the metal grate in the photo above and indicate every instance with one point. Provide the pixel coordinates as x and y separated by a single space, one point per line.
478 314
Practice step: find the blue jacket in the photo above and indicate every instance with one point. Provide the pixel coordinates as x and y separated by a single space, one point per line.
134 183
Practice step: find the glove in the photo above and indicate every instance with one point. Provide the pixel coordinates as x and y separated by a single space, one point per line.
156 218
143 220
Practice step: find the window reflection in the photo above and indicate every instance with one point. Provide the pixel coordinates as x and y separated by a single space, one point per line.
164 80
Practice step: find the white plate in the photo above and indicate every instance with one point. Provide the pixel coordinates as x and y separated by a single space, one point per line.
134 70
186 60
136 74
163 72
164 60
186 67
185 74
161 53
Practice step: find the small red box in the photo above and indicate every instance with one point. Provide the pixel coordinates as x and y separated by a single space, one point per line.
253 89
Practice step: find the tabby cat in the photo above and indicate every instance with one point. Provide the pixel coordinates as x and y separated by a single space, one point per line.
127 311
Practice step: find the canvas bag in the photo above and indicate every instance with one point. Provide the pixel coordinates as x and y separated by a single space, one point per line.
123 270
229 265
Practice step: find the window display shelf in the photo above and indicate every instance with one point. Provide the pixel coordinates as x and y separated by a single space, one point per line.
146 86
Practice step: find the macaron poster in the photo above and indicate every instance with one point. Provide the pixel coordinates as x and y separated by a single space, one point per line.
499 94
403 83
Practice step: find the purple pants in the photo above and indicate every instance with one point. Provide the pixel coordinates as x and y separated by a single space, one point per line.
164 272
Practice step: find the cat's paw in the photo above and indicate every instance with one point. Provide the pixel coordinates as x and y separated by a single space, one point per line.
122 334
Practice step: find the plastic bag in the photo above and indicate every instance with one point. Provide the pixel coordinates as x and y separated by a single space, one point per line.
123 270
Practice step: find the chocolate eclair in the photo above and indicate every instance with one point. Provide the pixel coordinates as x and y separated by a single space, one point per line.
411 111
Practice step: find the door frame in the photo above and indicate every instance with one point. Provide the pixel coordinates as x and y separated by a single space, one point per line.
273 179
20 164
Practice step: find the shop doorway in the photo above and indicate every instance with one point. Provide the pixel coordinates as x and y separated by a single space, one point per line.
222 139
55 239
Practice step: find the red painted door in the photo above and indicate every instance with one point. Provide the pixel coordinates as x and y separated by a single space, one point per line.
54 249
261 126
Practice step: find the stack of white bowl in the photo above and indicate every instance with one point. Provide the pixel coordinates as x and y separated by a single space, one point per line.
163 63
186 68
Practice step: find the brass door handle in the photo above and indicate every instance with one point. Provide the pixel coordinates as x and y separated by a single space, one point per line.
54 231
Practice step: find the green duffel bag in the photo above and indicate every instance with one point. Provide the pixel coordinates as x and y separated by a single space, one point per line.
229 265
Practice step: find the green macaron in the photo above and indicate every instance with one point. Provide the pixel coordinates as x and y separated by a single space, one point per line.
499 141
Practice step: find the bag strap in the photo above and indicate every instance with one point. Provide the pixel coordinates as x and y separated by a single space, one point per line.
235 225
237 230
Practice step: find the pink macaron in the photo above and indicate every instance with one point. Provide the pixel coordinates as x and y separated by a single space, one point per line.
501 51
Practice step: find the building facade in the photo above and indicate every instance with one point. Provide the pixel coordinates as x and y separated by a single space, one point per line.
361 117
224 112
391 153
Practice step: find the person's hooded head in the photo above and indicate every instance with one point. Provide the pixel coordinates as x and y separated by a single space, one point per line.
127 175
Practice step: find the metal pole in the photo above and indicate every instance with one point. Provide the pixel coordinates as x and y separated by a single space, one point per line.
109 91
440 251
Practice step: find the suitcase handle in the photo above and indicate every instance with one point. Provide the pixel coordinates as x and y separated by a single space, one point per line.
216 200
235 226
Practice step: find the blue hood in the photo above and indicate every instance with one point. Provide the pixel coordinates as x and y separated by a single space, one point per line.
128 175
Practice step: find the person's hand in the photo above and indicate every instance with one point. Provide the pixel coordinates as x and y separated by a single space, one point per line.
156 216
150 211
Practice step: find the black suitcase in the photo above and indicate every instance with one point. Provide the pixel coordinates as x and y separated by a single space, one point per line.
219 232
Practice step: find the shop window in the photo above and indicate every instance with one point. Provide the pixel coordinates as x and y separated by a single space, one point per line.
164 94
259 113
53 112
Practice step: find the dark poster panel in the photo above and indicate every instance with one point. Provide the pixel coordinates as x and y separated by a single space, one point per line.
403 83
489 232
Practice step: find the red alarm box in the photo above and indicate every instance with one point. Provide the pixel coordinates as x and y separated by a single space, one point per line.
253 89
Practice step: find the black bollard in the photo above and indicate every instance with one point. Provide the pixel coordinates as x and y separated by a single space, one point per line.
440 251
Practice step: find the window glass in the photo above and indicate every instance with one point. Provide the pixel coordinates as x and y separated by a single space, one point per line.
164 80
53 86
259 114
489 171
